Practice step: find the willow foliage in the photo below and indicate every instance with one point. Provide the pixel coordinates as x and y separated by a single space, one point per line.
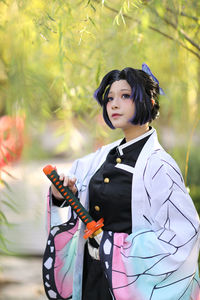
53 55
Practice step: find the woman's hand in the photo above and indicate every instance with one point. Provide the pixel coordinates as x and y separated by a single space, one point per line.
67 181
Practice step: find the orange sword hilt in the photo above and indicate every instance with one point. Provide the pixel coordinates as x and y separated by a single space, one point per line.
92 227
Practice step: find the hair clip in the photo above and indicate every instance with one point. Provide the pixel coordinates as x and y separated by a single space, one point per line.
147 70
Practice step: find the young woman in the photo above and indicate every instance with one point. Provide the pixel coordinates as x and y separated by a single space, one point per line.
149 246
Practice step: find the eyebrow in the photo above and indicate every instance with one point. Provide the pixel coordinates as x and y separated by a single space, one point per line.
110 92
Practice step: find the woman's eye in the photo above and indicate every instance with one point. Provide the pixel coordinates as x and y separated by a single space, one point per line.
110 99
126 96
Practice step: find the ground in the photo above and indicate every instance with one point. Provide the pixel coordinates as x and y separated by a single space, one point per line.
21 278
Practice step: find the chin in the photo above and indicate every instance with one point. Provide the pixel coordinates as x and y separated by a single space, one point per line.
117 125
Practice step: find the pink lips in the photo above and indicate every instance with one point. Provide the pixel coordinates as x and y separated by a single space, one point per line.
115 115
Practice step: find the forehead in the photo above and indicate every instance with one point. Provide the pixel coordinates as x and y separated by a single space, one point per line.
119 85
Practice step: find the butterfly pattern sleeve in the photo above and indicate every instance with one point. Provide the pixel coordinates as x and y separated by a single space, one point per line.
64 238
60 253
59 256
159 259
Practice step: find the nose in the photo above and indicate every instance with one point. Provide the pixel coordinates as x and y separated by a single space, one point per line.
115 103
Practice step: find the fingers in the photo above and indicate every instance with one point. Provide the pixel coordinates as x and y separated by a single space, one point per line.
71 185
63 178
56 193
70 182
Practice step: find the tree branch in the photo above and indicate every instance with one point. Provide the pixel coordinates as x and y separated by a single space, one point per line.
158 31
182 14
173 39
182 32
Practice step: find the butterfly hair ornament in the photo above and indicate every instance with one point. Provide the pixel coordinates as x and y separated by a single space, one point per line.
147 70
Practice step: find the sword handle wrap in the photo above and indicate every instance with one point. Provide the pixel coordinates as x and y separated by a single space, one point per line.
75 204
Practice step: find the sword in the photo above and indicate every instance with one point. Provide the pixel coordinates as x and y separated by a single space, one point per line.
92 228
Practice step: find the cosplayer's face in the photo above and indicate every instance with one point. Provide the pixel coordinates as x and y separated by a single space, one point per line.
120 106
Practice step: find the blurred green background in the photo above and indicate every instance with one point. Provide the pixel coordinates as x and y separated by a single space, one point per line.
53 55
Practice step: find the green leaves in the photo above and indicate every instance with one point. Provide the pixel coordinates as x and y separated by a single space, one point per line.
51 48
57 45
53 55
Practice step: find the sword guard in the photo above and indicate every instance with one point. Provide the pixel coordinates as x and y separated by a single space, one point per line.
93 228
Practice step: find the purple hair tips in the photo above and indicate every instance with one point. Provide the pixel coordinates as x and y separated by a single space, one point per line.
161 92
95 94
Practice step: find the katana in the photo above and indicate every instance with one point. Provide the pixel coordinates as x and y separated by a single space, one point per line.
92 228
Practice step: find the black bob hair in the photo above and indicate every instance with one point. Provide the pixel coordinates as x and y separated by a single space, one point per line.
144 88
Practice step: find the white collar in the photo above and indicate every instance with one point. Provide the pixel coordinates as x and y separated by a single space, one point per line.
121 147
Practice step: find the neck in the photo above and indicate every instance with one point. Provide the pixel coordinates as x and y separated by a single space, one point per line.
135 131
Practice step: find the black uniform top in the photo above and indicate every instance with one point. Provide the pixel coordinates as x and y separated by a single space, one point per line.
110 187
110 197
